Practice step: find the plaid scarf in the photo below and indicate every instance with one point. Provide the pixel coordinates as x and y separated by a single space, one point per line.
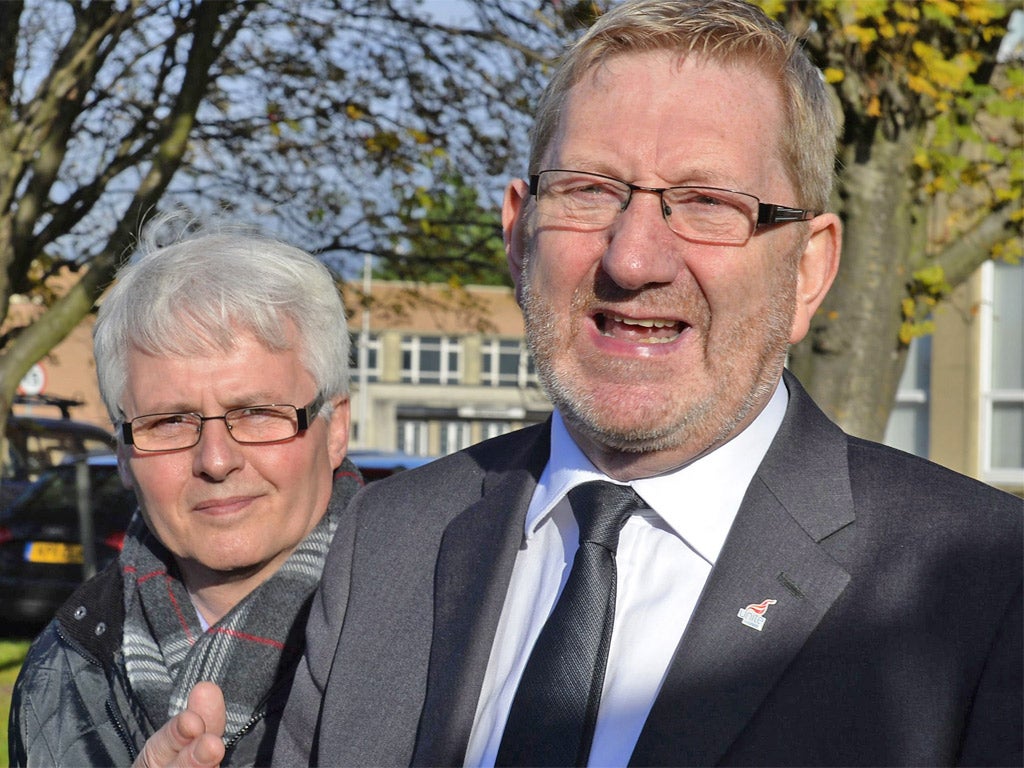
254 645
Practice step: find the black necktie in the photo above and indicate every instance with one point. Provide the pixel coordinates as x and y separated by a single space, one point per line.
551 722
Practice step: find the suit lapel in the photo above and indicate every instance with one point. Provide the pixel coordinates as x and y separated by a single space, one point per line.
724 668
474 566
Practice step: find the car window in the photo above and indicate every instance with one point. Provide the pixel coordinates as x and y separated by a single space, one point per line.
34 445
56 488
48 449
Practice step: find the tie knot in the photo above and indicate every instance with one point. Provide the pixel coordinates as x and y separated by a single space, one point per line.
601 509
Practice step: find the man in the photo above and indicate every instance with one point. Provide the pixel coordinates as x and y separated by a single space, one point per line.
783 594
223 362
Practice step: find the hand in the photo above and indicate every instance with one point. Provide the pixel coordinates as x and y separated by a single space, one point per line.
192 738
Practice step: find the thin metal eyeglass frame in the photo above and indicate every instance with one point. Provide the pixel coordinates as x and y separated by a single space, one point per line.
303 417
767 213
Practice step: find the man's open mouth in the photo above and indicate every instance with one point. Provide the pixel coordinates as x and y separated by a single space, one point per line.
648 330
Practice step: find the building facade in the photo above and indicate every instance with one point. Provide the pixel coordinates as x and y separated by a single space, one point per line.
433 374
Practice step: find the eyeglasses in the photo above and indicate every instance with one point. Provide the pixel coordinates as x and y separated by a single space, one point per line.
702 214
251 425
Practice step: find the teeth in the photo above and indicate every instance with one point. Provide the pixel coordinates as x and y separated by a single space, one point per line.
644 323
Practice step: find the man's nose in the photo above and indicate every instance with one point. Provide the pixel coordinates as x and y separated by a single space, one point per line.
642 250
217 454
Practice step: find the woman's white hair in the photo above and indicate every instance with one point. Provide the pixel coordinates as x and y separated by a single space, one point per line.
195 293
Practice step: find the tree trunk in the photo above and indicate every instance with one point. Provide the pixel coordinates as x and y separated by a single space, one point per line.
852 359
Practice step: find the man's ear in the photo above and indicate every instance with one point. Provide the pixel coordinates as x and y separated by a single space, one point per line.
338 429
516 194
816 271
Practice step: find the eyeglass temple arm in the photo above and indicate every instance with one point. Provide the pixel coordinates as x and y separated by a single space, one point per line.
306 415
769 213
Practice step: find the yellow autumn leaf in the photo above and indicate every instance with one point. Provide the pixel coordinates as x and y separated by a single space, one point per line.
946 7
982 12
920 84
932 276
834 75
950 74
863 35
354 112
906 333
773 7
907 10
874 108
908 305
868 9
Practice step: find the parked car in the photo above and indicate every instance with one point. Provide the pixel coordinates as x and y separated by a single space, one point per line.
34 444
376 465
41 552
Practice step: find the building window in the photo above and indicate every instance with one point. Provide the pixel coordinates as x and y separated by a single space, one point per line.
431 360
507 363
414 437
489 429
365 349
908 421
455 435
1002 374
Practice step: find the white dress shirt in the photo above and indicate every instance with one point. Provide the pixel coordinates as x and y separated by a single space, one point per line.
664 558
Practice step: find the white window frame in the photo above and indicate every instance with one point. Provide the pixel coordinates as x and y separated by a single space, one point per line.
491 429
373 346
989 396
455 435
492 351
414 437
911 393
446 347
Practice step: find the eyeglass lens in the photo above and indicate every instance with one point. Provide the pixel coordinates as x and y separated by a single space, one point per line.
700 213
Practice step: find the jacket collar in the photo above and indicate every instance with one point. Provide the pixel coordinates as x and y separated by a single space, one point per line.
93 617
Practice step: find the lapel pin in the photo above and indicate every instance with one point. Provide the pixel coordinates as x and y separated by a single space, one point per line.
753 614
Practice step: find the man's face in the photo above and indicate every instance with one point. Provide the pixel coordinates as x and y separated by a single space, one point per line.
656 349
231 512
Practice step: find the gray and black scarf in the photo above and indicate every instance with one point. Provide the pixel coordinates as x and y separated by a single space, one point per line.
248 651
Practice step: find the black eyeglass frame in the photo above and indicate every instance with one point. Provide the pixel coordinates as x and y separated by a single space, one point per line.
303 417
767 213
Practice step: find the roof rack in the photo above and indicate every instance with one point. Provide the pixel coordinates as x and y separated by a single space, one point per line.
65 404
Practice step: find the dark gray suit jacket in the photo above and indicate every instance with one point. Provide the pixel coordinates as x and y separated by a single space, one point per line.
895 639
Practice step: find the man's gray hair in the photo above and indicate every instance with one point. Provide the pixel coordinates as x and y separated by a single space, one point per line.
721 31
196 293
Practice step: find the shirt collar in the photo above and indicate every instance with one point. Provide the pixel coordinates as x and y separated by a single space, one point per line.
698 501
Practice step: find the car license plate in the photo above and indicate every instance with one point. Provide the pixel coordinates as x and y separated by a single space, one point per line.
53 552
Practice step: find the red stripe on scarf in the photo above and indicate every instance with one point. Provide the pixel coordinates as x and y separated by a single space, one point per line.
251 638
146 576
177 610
